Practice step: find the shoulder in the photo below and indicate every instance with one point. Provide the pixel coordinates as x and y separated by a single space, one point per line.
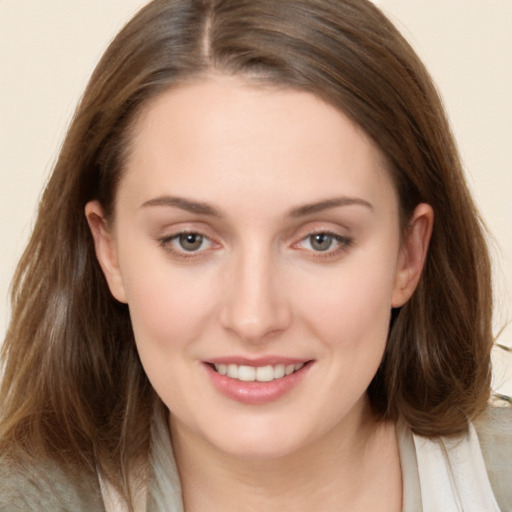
44 488
494 429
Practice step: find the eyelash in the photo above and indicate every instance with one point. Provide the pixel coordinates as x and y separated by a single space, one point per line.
166 243
343 244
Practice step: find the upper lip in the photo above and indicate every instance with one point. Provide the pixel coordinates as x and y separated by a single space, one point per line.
259 361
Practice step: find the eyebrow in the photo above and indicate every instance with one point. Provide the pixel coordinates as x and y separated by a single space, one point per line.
327 204
301 211
184 204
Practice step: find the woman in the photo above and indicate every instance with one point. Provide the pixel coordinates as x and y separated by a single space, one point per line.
257 280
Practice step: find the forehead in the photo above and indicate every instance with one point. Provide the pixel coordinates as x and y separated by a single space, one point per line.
227 133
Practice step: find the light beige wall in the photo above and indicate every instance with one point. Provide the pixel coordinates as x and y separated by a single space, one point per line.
48 50
467 46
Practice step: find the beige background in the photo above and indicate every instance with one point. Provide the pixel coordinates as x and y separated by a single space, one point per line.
48 49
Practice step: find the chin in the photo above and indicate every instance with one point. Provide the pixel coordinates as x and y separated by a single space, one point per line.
260 441
258 450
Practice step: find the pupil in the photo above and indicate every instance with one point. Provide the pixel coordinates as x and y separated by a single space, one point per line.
321 242
191 241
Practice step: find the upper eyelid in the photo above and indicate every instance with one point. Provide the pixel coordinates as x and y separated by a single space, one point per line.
337 236
169 245
312 228
165 239
176 234
172 230
296 235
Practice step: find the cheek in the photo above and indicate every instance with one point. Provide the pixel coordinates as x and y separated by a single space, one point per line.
169 311
169 306
354 302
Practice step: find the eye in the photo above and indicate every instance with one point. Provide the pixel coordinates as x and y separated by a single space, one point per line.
321 241
324 243
190 241
186 244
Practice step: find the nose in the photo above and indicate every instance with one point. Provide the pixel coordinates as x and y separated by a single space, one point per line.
255 306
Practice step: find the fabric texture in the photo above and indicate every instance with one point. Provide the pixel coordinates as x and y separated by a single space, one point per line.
452 475
470 473
47 489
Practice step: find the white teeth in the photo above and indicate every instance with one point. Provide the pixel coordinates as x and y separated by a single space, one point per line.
260 373
232 371
279 371
265 374
246 373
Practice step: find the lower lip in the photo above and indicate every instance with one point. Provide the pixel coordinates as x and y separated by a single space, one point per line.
256 393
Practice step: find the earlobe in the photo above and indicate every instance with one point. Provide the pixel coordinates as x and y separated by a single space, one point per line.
413 253
106 252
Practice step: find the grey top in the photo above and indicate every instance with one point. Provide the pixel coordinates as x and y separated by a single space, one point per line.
50 489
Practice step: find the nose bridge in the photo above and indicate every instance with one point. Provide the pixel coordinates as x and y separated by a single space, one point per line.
255 303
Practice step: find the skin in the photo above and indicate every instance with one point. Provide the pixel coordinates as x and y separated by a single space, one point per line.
258 286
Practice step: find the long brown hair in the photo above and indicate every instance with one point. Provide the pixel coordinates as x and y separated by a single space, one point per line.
73 388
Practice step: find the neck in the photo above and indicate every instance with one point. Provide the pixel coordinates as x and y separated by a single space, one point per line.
353 467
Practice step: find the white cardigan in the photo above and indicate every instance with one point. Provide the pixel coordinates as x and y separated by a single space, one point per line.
439 475
445 475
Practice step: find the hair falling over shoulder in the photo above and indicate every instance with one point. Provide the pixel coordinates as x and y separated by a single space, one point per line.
73 388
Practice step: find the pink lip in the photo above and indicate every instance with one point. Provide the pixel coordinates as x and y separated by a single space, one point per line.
255 393
259 361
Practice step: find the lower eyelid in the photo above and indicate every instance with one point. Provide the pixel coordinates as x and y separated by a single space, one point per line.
170 244
342 243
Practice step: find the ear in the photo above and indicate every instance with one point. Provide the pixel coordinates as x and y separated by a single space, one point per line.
106 250
413 252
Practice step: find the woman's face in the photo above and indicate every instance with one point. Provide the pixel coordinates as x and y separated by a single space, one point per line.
256 234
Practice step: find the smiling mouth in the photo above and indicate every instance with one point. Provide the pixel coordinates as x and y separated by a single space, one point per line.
266 373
